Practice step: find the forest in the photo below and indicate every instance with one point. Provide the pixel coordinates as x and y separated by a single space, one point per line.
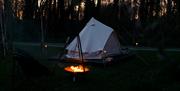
33 49
149 23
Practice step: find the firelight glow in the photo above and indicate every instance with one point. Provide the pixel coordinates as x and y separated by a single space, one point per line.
78 68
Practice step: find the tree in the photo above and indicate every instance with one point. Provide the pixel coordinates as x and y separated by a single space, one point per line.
29 8
151 9
143 11
157 8
116 9
90 6
169 8
2 29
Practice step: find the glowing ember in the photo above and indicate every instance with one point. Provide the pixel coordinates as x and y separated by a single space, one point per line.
78 68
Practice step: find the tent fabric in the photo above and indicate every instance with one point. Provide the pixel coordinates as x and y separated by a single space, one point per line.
97 41
112 46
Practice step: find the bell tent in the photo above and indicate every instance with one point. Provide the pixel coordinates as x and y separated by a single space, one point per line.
97 40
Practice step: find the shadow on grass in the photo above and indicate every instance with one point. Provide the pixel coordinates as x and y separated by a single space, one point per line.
131 75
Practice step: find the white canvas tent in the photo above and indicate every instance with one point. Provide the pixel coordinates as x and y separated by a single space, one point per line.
98 41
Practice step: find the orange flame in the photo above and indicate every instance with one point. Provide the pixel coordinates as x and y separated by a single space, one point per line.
78 68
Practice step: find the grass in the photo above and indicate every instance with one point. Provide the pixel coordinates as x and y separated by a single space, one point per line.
143 73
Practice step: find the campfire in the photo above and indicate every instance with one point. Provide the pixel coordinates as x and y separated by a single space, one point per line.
76 69
79 69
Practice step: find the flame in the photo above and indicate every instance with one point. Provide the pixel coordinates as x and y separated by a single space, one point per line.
78 68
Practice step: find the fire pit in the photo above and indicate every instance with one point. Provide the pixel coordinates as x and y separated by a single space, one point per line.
79 69
75 70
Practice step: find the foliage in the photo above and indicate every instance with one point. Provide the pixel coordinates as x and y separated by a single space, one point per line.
147 22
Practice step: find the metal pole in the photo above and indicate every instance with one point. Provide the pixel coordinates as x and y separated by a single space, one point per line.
80 51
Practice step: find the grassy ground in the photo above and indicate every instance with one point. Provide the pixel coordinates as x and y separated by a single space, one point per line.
143 73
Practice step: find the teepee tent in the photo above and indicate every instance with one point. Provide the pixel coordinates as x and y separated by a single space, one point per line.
98 41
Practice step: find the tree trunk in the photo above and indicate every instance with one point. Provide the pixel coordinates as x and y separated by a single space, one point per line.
2 28
28 9
169 8
143 11
157 7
